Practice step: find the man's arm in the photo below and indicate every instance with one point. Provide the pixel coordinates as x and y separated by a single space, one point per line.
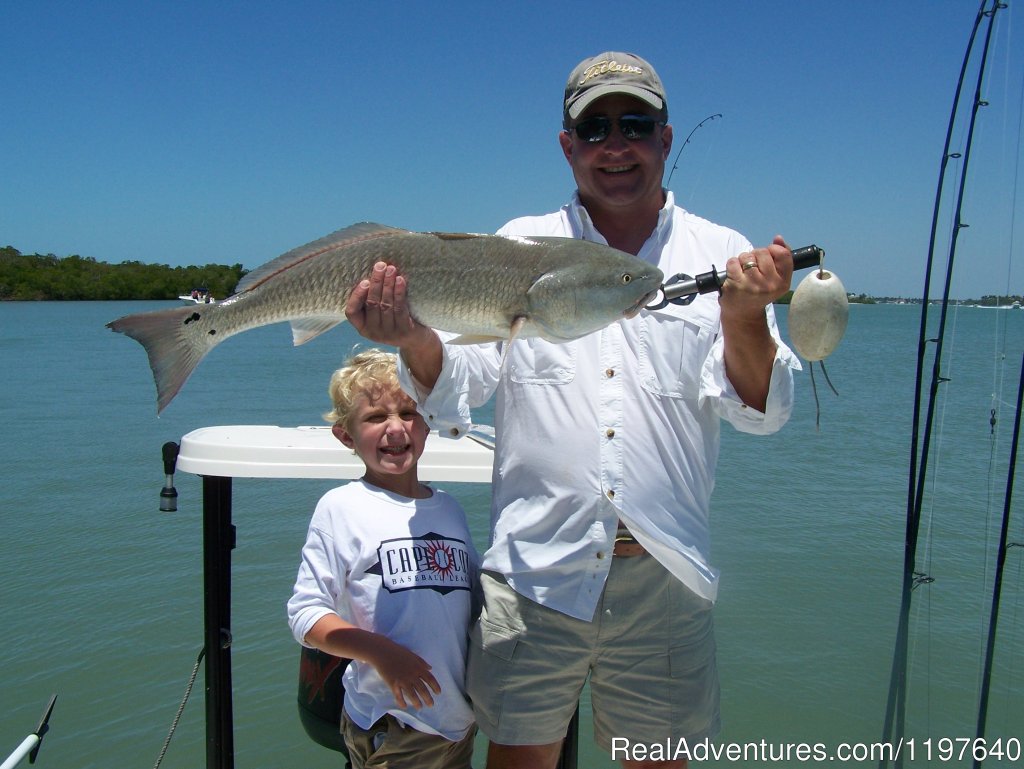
756 279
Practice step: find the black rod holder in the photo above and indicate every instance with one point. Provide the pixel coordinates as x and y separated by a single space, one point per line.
169 494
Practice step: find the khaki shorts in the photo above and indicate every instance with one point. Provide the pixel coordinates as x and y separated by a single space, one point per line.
388 744
649 653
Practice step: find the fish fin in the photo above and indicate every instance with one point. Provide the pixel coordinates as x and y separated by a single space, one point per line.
517 325
474 339
304 329
173 350
355 233
456 235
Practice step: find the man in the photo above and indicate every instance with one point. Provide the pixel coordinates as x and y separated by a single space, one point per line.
606 450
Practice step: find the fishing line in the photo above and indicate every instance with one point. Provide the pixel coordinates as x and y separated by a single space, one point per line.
931 459
896 705
1004 547
999 335
701 166
997 584
1018 543
675 164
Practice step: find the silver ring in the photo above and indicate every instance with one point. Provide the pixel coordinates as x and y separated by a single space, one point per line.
749 265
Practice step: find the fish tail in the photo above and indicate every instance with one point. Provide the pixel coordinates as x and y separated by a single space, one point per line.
173 346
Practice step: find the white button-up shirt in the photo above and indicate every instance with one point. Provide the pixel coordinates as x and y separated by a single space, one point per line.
621 424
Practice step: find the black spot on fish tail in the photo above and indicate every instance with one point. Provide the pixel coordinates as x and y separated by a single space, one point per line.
212 331
173 347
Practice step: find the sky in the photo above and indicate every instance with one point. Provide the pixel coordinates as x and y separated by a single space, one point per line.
230 132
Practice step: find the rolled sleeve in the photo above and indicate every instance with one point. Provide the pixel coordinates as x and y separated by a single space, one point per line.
716 389
446 406
315 593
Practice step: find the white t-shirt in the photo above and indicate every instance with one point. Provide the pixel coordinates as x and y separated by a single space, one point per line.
404 568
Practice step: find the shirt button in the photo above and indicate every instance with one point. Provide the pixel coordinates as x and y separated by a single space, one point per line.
609 373
600 554
611 493
610 433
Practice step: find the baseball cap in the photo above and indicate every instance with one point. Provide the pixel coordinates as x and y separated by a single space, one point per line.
611 72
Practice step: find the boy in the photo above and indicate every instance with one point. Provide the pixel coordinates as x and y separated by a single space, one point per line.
387 579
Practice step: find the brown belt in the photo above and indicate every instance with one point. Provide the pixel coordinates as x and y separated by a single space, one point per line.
626 546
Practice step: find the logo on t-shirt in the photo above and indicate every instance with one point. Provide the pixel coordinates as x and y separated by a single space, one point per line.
432 561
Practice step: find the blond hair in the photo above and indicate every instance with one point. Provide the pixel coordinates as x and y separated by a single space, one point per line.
370 373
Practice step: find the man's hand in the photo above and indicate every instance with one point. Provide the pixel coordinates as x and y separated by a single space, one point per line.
756 279
378 310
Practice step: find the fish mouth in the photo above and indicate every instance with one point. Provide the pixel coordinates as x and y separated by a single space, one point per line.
634 309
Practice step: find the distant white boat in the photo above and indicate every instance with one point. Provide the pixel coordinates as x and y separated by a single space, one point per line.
198 296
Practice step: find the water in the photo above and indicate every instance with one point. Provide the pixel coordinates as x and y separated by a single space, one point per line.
102 595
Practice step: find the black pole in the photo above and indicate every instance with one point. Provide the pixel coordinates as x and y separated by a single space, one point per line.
997 586
218 542
569 757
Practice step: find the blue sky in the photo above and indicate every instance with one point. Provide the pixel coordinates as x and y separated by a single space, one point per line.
194 132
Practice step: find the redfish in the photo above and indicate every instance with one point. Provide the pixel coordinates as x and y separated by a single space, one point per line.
482 287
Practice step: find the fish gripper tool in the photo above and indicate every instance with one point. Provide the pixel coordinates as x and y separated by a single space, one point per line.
682 289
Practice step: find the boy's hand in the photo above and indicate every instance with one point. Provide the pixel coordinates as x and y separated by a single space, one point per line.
407 674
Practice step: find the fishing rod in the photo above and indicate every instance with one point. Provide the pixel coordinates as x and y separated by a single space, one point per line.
895 713
683 289
675 165
997 585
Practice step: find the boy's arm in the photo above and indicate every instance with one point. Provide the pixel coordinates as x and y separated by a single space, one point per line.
406 673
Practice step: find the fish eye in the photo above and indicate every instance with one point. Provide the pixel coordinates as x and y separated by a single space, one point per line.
626 278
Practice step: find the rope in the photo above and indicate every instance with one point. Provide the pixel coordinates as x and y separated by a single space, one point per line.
181 708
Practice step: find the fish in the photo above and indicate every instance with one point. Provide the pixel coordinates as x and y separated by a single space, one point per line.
481 287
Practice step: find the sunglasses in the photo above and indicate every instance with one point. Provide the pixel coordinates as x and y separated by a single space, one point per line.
633 127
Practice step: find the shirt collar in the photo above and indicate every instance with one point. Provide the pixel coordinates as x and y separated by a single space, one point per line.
583 227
